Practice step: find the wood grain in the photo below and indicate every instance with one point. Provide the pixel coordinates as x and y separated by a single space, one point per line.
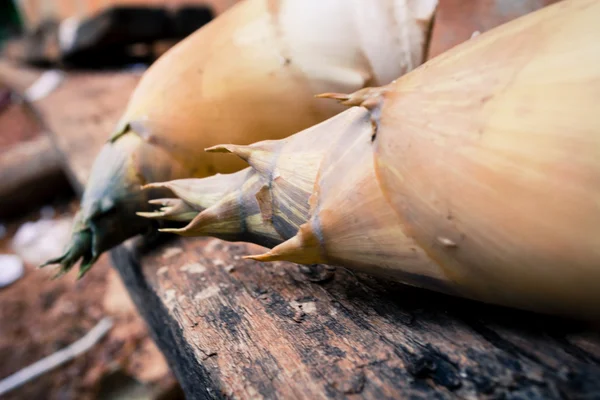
80 113
239 329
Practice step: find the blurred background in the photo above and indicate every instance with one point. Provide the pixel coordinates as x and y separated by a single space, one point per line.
74 49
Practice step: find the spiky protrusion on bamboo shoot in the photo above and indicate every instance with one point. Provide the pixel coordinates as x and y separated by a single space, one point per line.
236 216
200 194
350 222
369 97
303 248
259 156
278 185
249 75
448 195
170 210
341 176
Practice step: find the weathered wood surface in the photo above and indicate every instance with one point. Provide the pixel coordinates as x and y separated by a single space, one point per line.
30 173
30 169
80 113
239 329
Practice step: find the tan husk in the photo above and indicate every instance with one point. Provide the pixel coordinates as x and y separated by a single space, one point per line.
491 156
235 216
249 75
316 155
478 174
351 223
492 171
277 186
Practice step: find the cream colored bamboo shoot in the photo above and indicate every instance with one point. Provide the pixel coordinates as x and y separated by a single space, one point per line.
249 75
477 174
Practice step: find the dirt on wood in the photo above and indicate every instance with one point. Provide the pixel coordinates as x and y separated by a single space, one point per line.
39 316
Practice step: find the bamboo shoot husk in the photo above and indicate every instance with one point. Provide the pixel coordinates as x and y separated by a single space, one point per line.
477 174
251 74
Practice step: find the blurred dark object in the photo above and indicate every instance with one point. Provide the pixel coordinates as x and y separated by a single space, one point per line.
10 23
187 19
34 12
113 37
458 20
107 39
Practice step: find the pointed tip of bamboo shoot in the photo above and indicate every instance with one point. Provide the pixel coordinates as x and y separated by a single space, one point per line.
171 230
150 214
220 219
304 248
241 151
265 257
155 185
368 97
179 231
164 202
334 96
258 155
173 209
197 193
197 226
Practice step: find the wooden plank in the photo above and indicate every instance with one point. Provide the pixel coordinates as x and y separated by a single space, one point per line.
30 173
240 329
80 113
16 124
30 170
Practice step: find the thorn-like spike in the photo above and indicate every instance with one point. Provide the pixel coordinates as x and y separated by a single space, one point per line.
80 248
304 248
368 97
155 185
258 155
172 209
291 250
151 214
199 193
334 96
170 230
241 151
235 216
165 202
221 219
178 231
